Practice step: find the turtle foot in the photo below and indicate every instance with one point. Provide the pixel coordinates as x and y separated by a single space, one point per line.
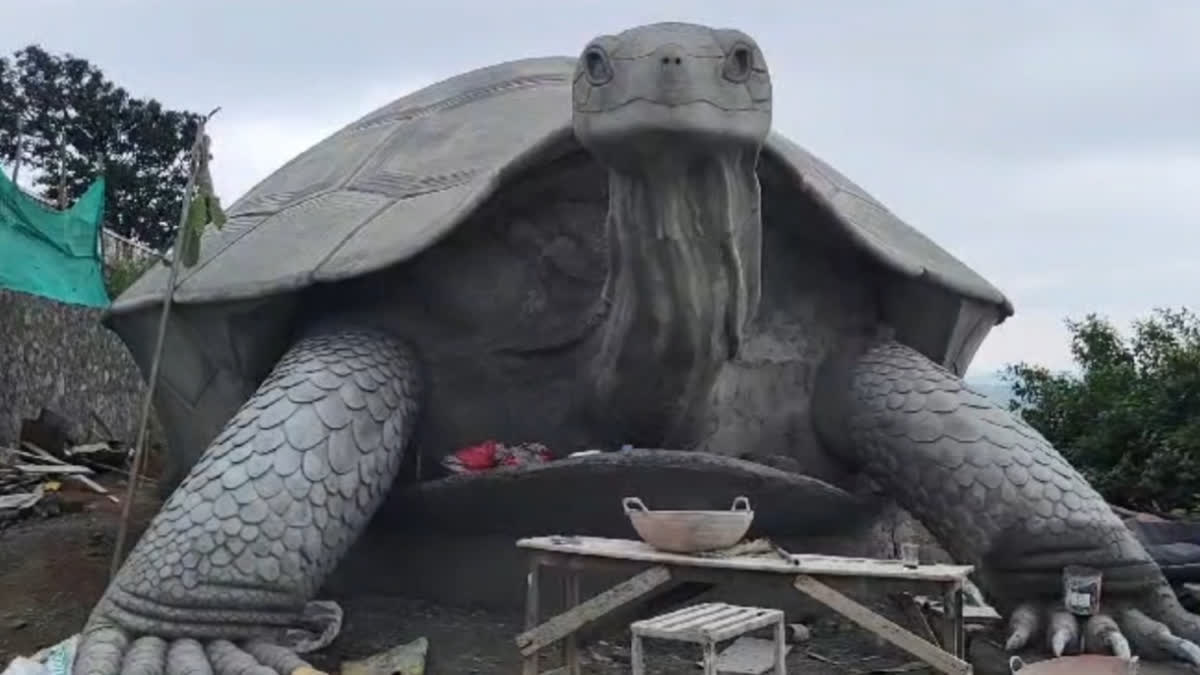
242 546
1122 630
106 649
999 496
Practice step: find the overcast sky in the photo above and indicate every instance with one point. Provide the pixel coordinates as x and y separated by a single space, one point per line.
1053 146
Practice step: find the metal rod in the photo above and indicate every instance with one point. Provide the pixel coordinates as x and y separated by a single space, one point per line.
147 402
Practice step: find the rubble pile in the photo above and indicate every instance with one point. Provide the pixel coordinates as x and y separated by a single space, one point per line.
31 478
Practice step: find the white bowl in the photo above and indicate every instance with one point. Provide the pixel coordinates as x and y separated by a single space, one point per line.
690 531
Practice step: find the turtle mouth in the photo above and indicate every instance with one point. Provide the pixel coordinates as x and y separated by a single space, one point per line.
642 128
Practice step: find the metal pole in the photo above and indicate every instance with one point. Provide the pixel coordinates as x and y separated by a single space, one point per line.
144 421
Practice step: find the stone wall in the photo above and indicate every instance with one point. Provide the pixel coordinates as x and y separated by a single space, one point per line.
58 356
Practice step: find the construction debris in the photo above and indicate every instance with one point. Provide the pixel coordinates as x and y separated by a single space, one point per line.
44 469
106 453
70 470
749 655
406 659
54 660
31 474
19 501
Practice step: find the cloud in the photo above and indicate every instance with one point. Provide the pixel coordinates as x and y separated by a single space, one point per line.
1051 146
251 143
1040 336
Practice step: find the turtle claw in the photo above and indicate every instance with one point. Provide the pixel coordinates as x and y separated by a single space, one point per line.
1021 626
1062 628
101 650
1156 638
1102 633
108 650
1062 631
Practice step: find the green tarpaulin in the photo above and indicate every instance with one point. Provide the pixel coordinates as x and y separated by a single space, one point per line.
52 253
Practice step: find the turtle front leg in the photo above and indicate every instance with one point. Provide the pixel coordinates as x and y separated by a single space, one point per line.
242 546
999 496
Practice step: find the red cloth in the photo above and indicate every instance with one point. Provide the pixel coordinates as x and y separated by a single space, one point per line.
490 454
479 457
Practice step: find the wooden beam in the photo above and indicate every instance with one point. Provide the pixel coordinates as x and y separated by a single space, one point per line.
571 645
892 632
61 469
818 565
531 641
533 606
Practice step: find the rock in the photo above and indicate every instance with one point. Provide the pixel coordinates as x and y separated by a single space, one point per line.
406 659
620 653
50 431
798 632
748 655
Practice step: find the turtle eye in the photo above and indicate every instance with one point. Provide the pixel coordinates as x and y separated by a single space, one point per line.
596 66
739 62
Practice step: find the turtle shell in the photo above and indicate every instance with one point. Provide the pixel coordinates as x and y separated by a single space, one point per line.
398 180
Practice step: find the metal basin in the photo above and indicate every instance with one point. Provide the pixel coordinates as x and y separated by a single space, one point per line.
690 531
1084 664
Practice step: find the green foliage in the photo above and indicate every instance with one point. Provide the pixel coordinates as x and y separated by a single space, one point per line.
68 124
1130 420
204 210
121 273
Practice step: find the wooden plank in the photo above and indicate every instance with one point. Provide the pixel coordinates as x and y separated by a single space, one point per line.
816 565
688 627
893 633
593 608
570 644
952 623
38 453
637 656
688 617
725 631
61 469
709 622
781 647
710 658
529 664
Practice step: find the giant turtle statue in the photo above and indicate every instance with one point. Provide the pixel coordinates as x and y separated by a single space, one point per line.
650 265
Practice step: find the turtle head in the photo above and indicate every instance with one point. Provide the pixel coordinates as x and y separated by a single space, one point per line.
679 114
670 88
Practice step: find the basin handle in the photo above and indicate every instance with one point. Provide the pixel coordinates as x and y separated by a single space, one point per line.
740 504
632 504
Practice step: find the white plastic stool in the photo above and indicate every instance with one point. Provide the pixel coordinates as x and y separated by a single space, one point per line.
707 625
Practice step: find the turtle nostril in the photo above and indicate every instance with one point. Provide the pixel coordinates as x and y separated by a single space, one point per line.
670 59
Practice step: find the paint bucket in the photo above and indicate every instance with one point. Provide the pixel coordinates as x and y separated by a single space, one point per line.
1081 590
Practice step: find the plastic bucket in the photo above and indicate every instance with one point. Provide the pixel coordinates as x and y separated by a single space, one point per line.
1081 590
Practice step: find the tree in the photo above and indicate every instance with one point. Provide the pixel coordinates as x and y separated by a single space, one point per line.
1130 419
67 124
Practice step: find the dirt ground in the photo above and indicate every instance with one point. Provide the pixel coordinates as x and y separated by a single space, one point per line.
53 569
